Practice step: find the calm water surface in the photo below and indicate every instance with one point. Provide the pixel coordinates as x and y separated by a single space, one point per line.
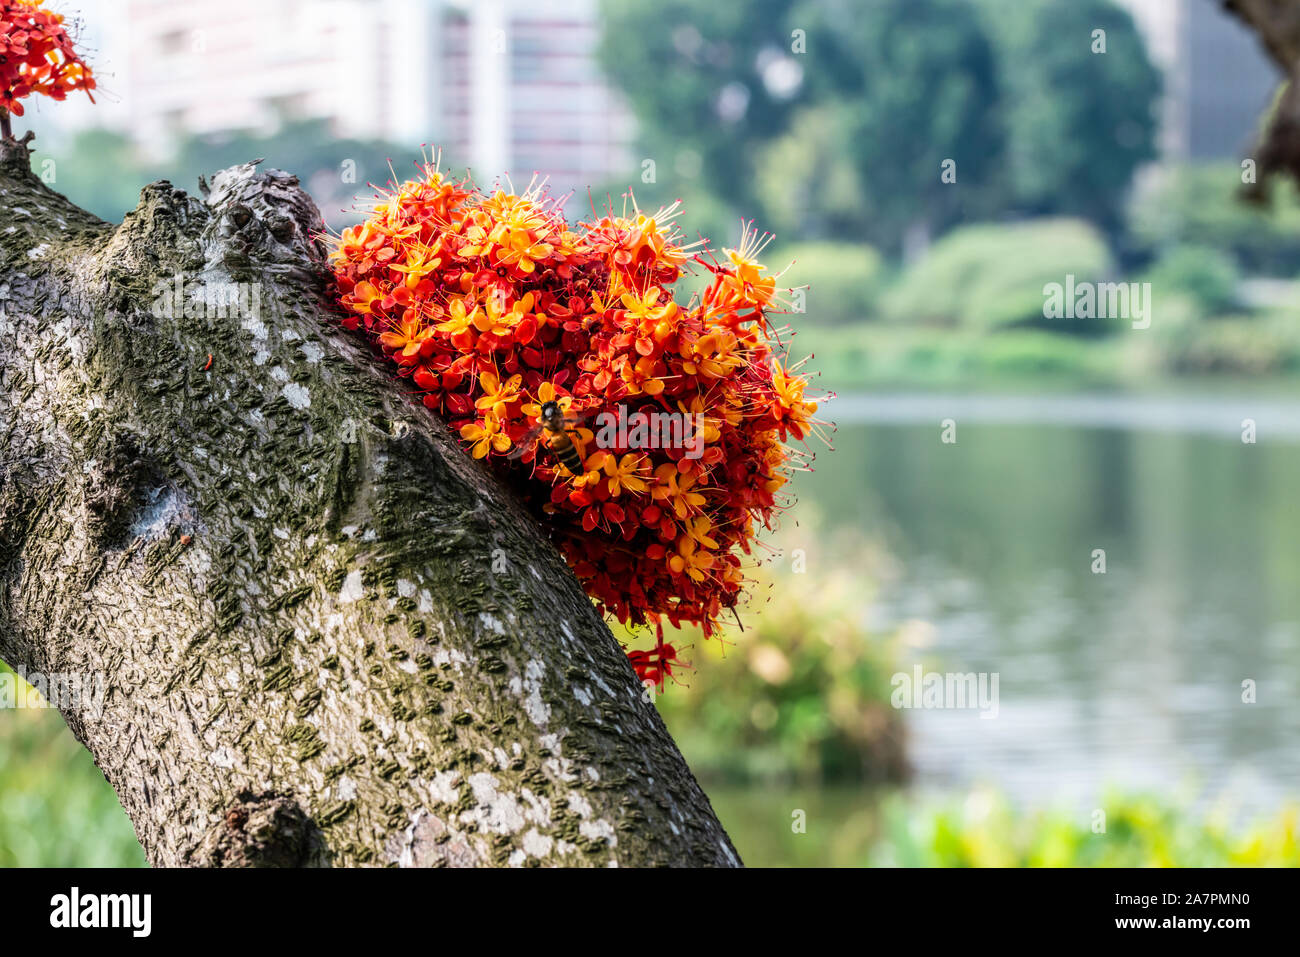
1131 678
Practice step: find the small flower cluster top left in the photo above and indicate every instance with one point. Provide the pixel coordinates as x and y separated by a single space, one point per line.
36 56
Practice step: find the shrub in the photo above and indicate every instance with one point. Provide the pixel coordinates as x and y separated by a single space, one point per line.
991 276
808 699
1205 277
1203 205
986 831
1232 346
844 279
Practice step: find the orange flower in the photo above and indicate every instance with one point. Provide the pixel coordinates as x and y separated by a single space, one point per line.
790 409
746 283
592 465
499 320
690 559
409 336
641 376
645 309
484 436
420 261
625 473
458 322
522 251
497 395
676 489
362 297
698 528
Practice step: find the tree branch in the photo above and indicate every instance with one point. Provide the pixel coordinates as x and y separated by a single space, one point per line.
1277 23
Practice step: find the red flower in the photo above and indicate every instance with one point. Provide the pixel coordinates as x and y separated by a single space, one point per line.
36 56
494 306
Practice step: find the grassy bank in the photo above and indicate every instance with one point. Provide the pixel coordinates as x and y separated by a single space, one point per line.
1219 356
56 809
842 827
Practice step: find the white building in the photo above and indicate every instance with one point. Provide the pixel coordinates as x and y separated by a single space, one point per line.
503 85
1218 80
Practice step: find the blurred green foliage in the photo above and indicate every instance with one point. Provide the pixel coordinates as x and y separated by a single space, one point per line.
56 809
844 280
1203 205
970 312
842 827
875 355
989 275
1204 277
1235 350
103 172
802 693
1140 831
1079 122
831 121
1234 345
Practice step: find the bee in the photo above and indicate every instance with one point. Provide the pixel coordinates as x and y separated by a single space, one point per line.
556 425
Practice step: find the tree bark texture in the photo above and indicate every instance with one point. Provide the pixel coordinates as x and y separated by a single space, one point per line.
329 637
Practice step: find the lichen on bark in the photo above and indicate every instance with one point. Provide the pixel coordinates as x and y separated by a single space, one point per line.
328 636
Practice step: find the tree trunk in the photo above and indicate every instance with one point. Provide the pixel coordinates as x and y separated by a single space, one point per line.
1277 24
327 635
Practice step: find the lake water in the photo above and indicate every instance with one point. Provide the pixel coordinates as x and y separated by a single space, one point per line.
1132 678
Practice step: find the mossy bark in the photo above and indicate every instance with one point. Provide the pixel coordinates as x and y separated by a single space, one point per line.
328 636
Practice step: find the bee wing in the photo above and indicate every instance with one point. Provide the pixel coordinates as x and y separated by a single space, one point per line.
526 443
573 420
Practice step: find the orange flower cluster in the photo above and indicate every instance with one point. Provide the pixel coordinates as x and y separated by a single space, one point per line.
498 311
36 56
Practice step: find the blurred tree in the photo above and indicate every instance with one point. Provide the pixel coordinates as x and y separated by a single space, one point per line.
914 91
103 171
827 118
1206 277
1080 107
992 276
100 169
708 83
836 120
844 279
808 698
1200 204
335 171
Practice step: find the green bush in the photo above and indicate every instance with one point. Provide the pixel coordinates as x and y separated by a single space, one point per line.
56 809
801 694
1203 276
843 279
986 831
1203 205
990 276
1233 346
873 355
